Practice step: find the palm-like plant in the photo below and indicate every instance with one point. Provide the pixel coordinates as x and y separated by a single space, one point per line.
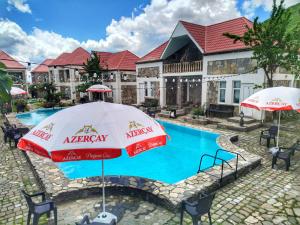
5 84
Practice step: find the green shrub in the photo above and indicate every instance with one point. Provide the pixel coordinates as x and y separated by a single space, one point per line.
198 112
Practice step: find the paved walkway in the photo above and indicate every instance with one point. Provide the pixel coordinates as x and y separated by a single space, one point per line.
264 196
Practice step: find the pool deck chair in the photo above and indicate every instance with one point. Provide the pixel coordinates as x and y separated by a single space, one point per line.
269 134
283 155
86 220
198 208
39 209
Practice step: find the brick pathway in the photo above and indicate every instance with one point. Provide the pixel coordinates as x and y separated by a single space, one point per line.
264 196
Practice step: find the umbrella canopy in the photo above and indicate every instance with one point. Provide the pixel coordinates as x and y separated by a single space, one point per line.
94 131
17 91
275 99
99 88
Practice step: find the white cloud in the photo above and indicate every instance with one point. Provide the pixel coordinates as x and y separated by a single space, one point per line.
249 6
139 33
20 5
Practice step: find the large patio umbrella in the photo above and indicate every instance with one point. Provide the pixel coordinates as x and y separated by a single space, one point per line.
275 99
99 88
17 91
94 131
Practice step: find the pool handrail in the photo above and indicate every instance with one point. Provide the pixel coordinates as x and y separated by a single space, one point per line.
237 159
214 157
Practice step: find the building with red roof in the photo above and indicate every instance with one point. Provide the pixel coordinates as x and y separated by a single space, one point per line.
119 73
198 65
15 69
40 74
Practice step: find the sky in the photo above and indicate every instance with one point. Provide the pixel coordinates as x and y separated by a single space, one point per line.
32 30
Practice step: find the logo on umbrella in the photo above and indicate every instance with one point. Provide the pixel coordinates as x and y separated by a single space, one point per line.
71 156
87 129
134 125
87 134
137 129
45 132
277 102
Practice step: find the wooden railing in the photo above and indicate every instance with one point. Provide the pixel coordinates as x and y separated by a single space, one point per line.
183 67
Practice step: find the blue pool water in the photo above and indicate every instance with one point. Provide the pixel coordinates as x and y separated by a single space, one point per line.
176 161
35 117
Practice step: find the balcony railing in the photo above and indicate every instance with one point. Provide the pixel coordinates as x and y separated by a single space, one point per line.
183 67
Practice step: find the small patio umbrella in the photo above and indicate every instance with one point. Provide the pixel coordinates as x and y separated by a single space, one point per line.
99 88
275 99
94 131
17 91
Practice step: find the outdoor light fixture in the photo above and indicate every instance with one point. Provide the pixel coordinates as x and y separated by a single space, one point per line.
173 80
180 80
199 80
111 76
186 80
242 115
193 80
166 80
95 75
125 77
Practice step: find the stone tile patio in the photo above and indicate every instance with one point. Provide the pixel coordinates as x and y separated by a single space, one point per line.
264 196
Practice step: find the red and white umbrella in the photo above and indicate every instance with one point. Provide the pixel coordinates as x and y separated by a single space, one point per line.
17 91
99 88
94 131
274 99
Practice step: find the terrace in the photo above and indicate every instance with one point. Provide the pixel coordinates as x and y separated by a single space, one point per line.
247 200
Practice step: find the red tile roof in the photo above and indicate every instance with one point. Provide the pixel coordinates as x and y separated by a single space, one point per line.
124 60
155 54
77 57
209 38
43 67
9 61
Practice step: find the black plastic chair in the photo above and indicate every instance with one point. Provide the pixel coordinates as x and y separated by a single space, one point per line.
13 134
269 134
283 155
197 208
38 209
86 220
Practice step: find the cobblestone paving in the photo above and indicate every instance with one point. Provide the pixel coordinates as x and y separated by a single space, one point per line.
264 196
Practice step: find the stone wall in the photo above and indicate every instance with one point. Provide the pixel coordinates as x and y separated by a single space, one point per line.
212 92
148 72
284 83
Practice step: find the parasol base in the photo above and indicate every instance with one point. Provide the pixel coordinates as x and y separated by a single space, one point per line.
105 217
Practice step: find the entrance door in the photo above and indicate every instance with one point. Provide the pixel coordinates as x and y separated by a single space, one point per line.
247 90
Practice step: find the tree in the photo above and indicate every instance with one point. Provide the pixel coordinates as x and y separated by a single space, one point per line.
92 67
5 84
272 44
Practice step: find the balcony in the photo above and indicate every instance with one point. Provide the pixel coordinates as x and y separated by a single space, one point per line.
183 67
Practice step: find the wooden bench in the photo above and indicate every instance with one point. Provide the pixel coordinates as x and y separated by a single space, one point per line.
217 110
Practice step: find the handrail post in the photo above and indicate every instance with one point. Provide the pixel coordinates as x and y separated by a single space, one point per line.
236 165
221 179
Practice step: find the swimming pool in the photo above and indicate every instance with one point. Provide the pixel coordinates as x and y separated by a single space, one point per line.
172 163
176 161
36 116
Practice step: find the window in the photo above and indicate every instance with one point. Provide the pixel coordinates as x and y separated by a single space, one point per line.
236 91
146 88
222 91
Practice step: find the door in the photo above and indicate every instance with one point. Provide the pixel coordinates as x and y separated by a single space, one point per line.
248 90
141 92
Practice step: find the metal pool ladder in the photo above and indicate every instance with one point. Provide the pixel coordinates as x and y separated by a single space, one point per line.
222 165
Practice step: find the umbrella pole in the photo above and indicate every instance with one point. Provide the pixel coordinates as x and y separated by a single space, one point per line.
103 187
278 128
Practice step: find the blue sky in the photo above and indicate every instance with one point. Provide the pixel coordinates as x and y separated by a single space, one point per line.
80 19
38 29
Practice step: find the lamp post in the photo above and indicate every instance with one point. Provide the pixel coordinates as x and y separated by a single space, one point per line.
242 115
